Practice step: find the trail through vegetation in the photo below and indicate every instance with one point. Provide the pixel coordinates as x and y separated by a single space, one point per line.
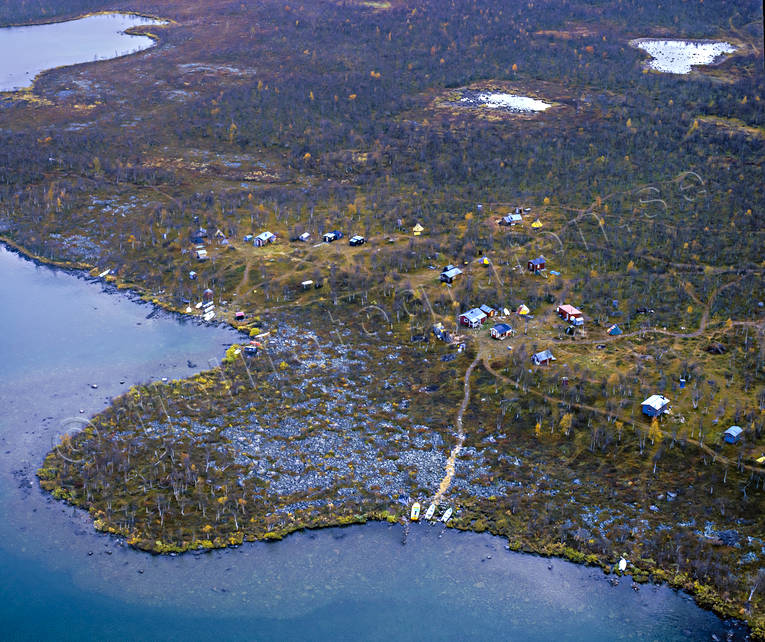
450 463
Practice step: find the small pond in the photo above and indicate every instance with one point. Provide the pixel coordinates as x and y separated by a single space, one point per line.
27 51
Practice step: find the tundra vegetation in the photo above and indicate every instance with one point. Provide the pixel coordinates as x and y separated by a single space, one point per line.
646 199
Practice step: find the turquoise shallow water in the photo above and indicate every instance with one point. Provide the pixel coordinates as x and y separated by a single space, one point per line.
27 51
59 334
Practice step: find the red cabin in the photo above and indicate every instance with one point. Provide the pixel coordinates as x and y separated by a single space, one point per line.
569 312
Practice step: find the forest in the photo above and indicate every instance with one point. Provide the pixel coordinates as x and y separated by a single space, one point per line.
644 194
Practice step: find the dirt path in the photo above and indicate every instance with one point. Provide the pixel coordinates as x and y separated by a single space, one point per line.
241 289
447 480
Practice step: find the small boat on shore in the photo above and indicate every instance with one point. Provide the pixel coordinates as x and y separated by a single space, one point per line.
415 514
447 515
430 512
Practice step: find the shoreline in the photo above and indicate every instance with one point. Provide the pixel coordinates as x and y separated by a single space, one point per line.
704 596
27 91
71 17
132 291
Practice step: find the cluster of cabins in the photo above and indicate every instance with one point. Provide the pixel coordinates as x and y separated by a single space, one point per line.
476 317
654 406
265 238
330 237
199 238
201 234
450 272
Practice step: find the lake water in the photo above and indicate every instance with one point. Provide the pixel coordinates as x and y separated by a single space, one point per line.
62 580
27 51
679 56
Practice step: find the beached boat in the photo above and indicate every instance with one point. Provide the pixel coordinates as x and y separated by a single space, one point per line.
447 515
430 512
415 514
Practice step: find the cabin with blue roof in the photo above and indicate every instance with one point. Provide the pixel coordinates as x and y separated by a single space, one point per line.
536 265
733 434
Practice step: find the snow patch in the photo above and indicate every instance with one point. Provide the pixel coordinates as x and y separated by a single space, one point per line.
508 102
679 56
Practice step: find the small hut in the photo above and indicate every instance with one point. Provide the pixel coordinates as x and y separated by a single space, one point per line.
264 239
536 265
569 312
543 358
655 405
733 434
501 331
449 274
473 318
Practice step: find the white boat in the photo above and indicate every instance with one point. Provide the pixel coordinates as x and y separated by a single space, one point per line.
415 514
430 512
447 515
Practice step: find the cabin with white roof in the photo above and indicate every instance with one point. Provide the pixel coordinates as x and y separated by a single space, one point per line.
655 405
